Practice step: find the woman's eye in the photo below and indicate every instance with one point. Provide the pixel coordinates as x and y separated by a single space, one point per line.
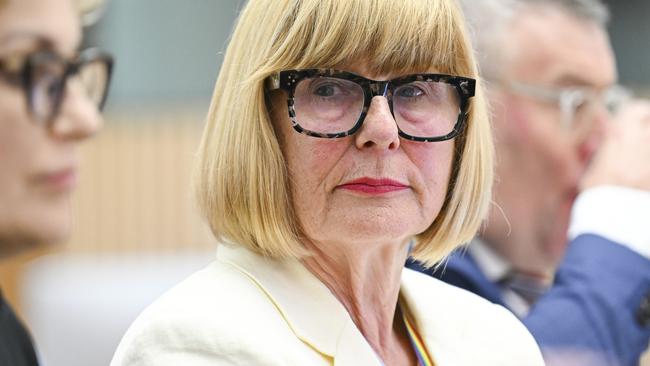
410 92
327 90
49 84
52 88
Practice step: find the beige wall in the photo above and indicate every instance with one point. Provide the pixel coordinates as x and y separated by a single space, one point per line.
135 185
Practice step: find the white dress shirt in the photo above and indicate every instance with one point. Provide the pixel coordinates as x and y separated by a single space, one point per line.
496 268
619 214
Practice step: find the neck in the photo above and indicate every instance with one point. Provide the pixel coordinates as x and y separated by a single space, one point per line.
367 282
518 259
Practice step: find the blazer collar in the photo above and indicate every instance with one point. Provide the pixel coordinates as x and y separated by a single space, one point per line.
307 305
425 300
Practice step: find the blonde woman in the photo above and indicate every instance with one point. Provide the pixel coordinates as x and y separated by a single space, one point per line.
342 137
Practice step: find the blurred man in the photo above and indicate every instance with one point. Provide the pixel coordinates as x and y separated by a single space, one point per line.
550 76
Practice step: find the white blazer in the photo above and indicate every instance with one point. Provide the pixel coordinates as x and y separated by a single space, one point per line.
244 309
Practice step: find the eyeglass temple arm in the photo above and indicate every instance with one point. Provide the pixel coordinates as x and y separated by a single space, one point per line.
273 82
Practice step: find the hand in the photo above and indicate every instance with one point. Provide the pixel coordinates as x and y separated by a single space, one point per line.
624 156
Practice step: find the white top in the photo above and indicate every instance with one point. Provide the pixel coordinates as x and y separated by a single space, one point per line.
619 214
244 309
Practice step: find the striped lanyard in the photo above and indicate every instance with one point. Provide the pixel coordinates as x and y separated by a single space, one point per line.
416 342
418 345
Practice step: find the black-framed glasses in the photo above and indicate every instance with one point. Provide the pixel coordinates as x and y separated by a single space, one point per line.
329 103
44 75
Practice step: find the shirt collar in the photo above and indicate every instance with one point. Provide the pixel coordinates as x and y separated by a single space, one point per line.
494 267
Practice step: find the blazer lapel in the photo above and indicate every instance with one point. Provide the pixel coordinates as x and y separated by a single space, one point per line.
430 312
310 309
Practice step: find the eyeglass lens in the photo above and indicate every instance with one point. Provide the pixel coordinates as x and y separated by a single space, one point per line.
333 105
46 86
48 78
582 111
94 77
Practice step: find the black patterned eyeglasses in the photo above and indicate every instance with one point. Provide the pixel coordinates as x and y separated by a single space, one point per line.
328 103
44 75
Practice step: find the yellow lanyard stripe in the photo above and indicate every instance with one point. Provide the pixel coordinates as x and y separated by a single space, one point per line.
420 350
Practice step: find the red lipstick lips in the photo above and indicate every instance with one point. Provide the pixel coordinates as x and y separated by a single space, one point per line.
61 180
373 186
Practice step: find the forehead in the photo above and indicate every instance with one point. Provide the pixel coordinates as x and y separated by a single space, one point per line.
27 23
555 49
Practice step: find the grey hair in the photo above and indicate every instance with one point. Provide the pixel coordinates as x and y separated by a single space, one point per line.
590 10
489 20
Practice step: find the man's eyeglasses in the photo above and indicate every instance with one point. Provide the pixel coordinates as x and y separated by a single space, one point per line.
575 103
43 75
328 103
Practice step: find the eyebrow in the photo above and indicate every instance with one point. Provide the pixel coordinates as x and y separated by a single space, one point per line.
573 80
35 40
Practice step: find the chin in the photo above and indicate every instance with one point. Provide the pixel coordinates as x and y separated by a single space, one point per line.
375 232
34 222
55 230
46 228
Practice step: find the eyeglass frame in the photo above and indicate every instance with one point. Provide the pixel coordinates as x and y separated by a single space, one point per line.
287 80
17 70
567 98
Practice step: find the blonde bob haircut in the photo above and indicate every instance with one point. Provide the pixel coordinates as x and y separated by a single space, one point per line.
241 178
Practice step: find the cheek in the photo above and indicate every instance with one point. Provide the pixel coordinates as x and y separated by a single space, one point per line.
313 168
433 162
17 140
312 163
24 149
541 150
36 219
315 159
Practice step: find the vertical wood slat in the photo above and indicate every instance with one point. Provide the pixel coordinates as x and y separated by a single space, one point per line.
135 185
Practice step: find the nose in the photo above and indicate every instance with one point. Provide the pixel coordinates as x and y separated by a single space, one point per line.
594 132
379 129
79 117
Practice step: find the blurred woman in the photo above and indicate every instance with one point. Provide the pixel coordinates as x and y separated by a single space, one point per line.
50 95
343 137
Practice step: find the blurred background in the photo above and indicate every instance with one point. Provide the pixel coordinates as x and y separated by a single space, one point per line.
137 231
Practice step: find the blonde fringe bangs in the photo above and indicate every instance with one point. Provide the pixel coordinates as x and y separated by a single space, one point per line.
388 37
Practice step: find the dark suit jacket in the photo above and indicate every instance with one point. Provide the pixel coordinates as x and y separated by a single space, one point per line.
15 344
598 305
